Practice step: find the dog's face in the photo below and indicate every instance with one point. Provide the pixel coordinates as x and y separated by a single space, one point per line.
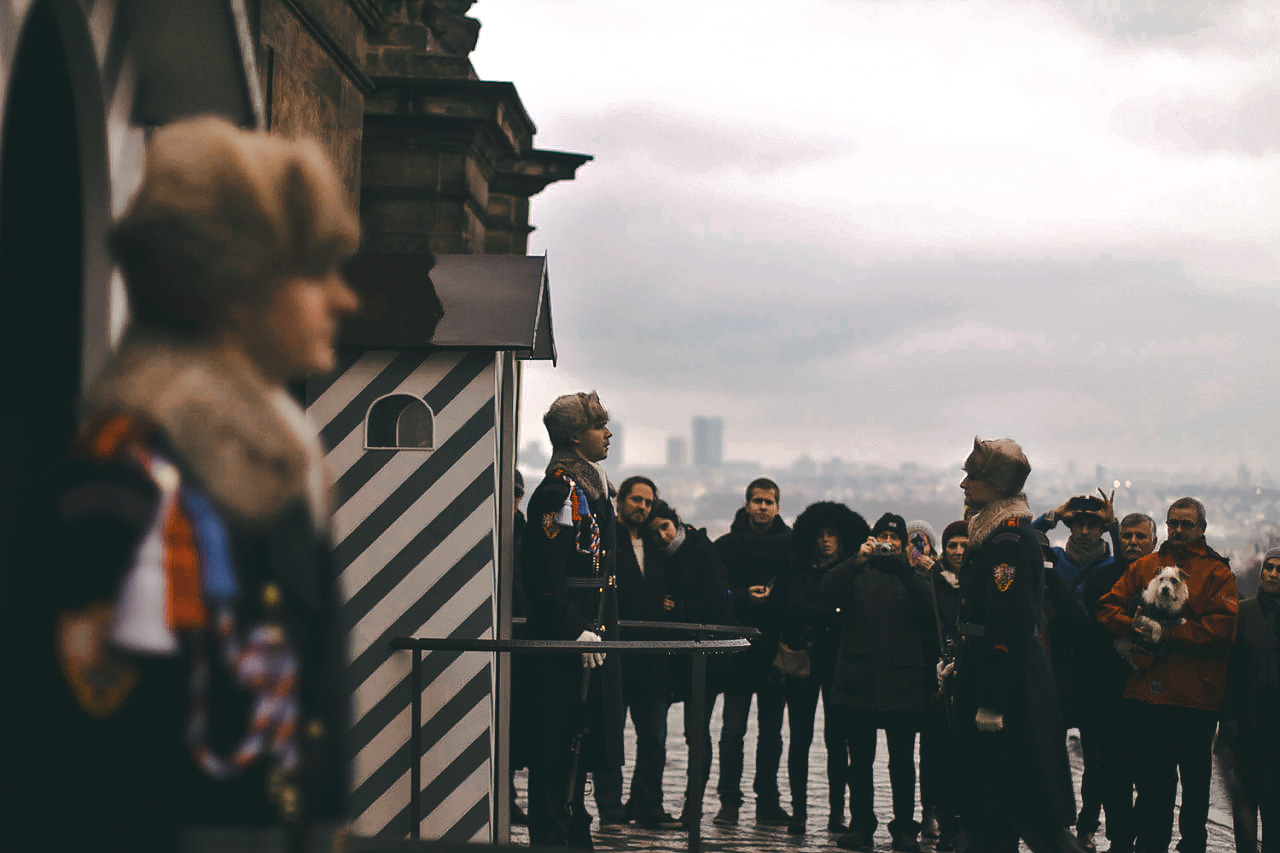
1167 590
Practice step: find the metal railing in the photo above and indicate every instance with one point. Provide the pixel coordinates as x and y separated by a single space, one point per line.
701 640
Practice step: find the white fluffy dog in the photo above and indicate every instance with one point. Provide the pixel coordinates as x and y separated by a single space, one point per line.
1159 608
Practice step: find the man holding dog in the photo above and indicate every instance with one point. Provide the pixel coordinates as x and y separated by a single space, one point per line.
1180 671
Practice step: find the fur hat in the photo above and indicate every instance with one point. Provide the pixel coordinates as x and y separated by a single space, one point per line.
851 529
891 521
954 529
921 526
572 415
999 462
223 214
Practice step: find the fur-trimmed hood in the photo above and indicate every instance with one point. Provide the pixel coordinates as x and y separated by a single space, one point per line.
247 442
994 514
850 527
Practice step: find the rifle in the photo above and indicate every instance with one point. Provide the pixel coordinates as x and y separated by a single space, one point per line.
575 748
946 648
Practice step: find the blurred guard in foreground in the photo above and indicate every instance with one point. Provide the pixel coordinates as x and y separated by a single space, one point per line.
1012 756
567 560
197 688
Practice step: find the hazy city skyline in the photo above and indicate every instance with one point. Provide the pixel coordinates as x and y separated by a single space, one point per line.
871 230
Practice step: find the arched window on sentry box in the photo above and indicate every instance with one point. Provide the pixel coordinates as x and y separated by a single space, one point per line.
399 422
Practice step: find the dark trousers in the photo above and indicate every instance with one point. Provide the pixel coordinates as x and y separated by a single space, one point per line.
1107 781
553 822
1244 817
802 710
649 719
1170 743
771 701
861 729
939 785
698 731
985 835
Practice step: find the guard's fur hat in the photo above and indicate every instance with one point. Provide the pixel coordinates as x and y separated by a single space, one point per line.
224 214
851 529
572 415
999 462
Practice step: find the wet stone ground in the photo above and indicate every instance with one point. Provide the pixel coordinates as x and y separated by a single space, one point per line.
768 839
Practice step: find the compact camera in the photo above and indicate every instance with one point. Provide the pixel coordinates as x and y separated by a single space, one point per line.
882 547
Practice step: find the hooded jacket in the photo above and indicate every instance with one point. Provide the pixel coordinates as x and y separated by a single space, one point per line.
812 620
1193 672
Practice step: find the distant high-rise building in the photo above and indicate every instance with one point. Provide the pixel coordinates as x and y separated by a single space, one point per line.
677 452
708 441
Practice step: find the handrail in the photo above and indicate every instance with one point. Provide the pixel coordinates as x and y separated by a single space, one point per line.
705 639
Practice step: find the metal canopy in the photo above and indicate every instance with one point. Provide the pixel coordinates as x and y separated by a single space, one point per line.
497 302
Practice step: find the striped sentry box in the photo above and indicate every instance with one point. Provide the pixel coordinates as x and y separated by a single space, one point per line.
414 529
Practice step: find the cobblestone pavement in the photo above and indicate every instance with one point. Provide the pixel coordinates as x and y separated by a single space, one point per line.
747 837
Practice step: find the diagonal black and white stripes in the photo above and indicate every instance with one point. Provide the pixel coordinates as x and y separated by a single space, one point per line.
415 548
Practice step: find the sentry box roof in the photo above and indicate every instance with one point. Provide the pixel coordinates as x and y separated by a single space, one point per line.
497 302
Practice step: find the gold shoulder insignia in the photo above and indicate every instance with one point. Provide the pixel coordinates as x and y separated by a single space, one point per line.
549 525
99 679
1004 575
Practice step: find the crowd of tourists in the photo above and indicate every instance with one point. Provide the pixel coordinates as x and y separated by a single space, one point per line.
984 644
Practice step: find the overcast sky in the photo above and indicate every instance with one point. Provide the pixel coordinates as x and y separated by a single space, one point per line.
873 229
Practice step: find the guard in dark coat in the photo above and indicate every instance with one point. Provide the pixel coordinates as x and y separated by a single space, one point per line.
1009 743
188 650
567 565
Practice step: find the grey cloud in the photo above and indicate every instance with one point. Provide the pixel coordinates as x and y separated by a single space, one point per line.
1187 25
1246 123
696 145
1090 356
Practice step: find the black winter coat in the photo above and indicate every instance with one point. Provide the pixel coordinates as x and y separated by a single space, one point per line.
561 608
887 650
1021 772
754 559
640 597
697 585
1251 706
812 618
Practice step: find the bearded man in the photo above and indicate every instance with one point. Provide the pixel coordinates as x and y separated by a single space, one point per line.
1016 781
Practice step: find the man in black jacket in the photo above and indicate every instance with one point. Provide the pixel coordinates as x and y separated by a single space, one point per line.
755 553
646 689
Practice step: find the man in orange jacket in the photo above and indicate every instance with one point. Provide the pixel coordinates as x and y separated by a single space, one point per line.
1180 671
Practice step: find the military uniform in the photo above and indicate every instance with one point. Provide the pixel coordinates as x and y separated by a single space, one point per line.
567 560
1015 781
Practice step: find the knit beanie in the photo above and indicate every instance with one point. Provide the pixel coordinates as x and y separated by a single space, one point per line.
999 462
572 415
954 529
890 521
924 528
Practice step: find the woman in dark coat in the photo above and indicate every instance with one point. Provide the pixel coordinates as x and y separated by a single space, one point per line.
198 698
823 535
697 592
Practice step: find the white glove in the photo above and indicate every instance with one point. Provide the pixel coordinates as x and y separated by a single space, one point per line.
989 721
944 670
591 660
